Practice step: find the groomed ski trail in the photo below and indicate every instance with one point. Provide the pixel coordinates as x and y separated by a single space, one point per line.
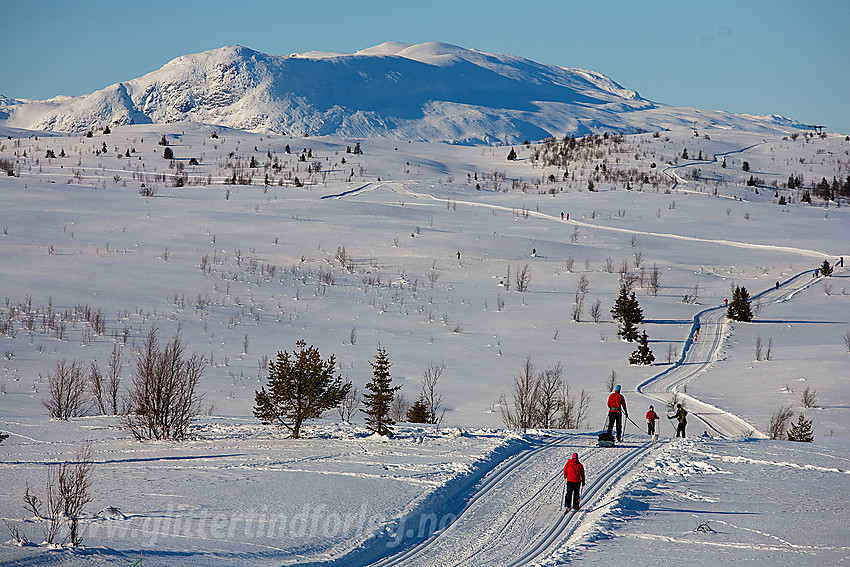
700 352
512 517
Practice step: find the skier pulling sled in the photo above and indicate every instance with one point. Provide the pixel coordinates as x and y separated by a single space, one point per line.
616 410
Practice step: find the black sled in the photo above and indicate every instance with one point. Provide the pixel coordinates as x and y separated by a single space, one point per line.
606 439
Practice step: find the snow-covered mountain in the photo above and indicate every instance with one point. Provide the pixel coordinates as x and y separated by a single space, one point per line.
430 92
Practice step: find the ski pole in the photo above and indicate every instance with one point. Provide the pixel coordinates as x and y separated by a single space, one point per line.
630 419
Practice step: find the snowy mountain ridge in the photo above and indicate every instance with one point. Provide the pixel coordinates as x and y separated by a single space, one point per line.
427 92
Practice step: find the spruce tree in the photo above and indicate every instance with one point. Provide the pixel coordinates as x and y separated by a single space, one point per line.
628 314
301 387
379 401
739 307
418 412
801 431
826 269
511 155
643 354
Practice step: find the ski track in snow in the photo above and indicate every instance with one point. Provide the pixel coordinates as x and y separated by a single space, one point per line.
402 188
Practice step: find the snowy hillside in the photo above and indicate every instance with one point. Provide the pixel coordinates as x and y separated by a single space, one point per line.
248 242
427 92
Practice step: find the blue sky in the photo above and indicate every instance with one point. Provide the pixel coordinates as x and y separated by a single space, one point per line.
759 57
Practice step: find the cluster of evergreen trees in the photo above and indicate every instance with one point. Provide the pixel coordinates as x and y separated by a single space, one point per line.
302 386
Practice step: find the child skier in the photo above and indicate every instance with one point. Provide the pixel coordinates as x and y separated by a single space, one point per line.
574 474
651 418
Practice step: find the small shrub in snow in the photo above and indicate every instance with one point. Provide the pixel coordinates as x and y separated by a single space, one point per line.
68 491
163 398
810 398
348 404
400 407
611 382
779 422
67 391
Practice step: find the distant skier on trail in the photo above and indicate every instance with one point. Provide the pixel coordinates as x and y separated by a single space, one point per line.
651 418
616 410
681 415
574 475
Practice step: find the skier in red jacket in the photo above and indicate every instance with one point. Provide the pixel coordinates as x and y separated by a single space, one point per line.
651 418
574 473
616 409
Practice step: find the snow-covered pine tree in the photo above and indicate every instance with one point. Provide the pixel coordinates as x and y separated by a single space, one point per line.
643 354
739 307
379 401
826 269
801 431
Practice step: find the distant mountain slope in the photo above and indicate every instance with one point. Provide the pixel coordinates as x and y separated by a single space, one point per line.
430 92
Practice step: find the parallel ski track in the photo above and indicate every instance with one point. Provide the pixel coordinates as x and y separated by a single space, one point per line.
487 485
558 532
562 529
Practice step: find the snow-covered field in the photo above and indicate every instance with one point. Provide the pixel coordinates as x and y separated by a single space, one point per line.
245 271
